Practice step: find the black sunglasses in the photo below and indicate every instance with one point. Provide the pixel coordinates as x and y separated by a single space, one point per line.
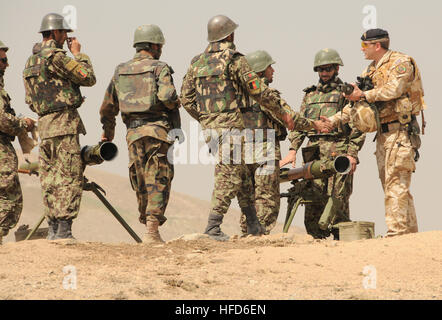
4 60
326 69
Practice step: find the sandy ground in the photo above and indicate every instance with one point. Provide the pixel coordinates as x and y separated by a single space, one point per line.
279 266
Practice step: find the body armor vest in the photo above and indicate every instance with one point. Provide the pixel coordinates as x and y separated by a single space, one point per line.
215 91
411 102
48 91
319 103
136 87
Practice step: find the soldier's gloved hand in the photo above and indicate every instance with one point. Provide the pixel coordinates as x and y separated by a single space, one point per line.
30 123
353 164
74 46
323 126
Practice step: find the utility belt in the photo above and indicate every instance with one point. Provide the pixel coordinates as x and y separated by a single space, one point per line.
135 123
327 137
62 109
392 126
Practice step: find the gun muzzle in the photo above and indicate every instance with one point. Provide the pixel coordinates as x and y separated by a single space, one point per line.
317 169
96 154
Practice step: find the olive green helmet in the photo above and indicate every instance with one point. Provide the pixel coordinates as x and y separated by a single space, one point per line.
3 46
148 33
327 56
54 21
220 27
259 60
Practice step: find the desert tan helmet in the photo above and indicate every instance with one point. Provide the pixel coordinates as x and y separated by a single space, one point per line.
3 46
54 21
259 60
149 33
220 27
327 56
363 117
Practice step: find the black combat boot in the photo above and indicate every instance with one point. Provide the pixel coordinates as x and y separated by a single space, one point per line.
64 229
53 226
253 225
213 228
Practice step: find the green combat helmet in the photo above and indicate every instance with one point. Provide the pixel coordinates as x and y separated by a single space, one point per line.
259 60
3 46
54 21
219 27
327 56
149 33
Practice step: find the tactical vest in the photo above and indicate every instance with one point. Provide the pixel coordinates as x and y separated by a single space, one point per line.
321 104
411 102
48 91
136 87
215 91
7 109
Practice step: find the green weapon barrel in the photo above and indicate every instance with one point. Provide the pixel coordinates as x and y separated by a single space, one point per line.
96 154
317 169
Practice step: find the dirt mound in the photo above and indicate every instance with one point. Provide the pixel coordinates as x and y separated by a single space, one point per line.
279 266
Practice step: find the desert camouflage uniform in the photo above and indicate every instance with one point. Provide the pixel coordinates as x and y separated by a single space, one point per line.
398 86
11 199
217 86
324 100
264 166
143 90
52 83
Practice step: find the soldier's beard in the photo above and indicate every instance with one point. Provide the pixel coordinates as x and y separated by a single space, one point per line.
330 80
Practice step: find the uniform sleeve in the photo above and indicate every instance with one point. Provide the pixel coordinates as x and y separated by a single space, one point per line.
296 138
78 70
166 89
396 85
344 116
9 123
188 95
357 139
109 110
270 100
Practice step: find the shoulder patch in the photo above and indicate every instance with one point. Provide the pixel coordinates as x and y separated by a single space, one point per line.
252 82
401 69
310 89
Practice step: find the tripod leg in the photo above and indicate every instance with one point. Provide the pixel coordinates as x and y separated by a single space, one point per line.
35 228
292 215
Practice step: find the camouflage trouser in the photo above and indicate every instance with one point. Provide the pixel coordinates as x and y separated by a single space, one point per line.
395 158
11 199
230 179
340 186
61 176
151 177
265 198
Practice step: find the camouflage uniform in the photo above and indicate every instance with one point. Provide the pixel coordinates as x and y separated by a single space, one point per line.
11 199
264 168
52 83
398 86
217 86
325 100
143 90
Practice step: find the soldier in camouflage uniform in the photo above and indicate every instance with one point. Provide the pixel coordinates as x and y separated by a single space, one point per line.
398 94
52 83
143 90
266 134
326 99
11 199
217 85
